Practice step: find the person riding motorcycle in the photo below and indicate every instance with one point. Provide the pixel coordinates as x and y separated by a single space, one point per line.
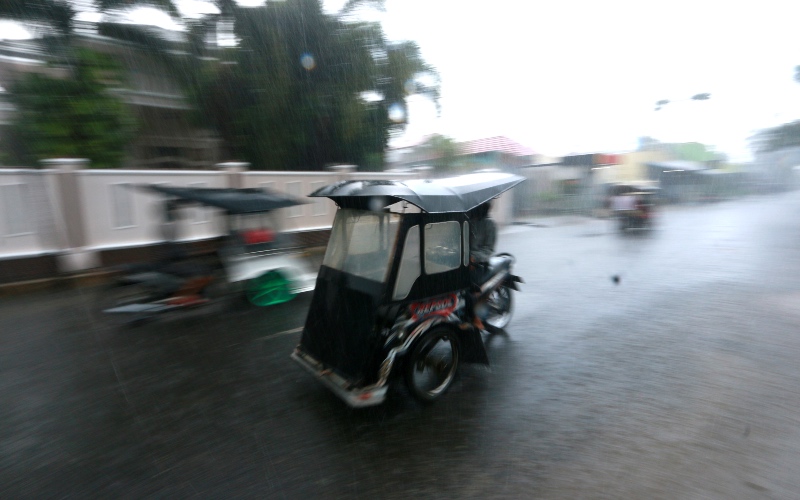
483 237
181 276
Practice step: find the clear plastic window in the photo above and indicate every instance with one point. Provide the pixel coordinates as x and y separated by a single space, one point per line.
442 247
410 266
362 243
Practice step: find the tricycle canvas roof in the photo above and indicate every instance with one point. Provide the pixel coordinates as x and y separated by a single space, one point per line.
231 200
395 287
253 253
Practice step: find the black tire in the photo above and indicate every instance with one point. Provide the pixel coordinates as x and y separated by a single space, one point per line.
224 296
500 305
431 366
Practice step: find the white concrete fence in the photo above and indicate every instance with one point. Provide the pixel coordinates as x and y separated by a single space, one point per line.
74 213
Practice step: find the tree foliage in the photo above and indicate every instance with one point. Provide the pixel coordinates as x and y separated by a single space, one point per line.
300 90
686 151
57 14
293 97
442 151
73 116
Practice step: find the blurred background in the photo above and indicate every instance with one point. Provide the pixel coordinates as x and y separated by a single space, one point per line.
641 364
695 101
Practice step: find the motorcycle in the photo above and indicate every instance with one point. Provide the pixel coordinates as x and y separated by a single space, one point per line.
250 262
394 299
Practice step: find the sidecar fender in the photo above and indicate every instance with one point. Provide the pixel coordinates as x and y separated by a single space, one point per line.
511 282
472 348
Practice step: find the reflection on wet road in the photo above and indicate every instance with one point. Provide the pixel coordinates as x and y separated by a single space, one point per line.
676 381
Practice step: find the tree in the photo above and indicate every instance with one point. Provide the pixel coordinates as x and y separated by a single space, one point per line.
54 14
443 152
71 117
291 93
687 151
295 96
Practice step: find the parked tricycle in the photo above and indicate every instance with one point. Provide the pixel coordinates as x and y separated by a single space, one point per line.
251 263
395 298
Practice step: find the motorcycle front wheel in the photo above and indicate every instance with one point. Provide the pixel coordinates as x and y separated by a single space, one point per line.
500 308
432 364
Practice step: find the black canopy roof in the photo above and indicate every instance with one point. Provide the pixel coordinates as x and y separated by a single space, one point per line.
234 201
452 194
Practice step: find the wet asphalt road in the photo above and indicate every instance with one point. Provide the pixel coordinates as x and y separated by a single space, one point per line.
680 381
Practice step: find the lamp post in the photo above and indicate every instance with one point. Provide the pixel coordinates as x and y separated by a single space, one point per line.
697 97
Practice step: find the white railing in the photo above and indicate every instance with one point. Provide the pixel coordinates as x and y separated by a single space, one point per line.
74 212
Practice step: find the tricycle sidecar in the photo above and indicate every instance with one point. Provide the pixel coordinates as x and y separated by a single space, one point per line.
250 259
394 295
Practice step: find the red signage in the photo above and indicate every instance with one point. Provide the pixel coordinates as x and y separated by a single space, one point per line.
602 159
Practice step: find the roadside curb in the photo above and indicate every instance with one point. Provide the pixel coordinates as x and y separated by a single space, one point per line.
81 280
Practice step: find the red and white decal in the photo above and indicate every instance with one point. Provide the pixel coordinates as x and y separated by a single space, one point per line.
442 306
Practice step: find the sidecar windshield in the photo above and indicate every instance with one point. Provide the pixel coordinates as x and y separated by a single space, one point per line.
362 243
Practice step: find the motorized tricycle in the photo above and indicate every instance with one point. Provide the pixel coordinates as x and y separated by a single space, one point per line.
395 297
251 262
633 205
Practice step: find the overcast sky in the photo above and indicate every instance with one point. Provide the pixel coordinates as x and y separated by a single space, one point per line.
584 76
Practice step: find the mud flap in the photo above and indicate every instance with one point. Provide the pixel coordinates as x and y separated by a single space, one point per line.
511 282
472 348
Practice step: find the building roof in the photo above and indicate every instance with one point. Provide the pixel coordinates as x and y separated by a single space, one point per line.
494 144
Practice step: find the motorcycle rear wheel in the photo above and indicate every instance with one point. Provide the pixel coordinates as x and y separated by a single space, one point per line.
500 308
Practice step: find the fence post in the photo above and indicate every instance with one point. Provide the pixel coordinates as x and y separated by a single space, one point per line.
423 171
342 171
235 169
73 256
